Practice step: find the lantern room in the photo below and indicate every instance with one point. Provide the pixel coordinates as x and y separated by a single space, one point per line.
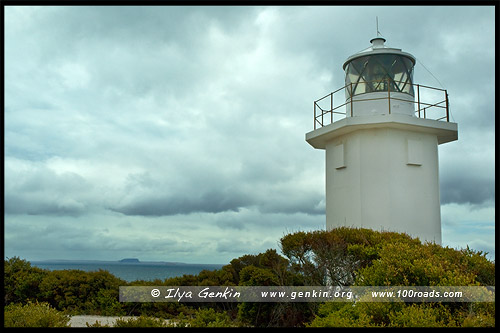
381 78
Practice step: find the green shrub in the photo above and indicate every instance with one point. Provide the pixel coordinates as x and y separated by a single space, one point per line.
340 315
34 315
405 264
422 315
108 304
76 291
141 321
397 261
479 320
21 280
210 318
334 257
97 324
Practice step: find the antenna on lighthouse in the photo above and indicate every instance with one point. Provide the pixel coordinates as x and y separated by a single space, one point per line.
378 32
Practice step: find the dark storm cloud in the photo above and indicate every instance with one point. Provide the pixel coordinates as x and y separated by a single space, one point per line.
184 203
216 202
460 189
271 189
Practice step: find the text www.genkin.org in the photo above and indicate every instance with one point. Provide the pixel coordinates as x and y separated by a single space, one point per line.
305 294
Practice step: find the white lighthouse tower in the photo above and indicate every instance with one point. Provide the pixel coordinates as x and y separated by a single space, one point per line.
382 154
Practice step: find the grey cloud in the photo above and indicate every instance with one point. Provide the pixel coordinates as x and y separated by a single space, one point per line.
473 190
467 169
43 192
217 193
182 203
39 205
134 50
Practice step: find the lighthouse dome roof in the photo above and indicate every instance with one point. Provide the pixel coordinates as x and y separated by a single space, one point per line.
378 47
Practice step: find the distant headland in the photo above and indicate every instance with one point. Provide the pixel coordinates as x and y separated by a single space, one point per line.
130 260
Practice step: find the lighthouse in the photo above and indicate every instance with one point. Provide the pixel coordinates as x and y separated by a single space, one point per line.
381 133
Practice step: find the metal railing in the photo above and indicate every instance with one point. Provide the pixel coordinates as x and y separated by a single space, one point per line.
324 108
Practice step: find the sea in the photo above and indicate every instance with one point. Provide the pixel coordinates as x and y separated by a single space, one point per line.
129 271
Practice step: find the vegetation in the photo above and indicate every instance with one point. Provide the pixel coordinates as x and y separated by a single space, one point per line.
33 315
140 321
342 257
202 318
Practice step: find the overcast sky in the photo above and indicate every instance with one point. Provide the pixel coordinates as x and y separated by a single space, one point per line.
178 133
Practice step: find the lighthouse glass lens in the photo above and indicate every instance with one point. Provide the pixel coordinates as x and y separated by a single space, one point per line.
379 72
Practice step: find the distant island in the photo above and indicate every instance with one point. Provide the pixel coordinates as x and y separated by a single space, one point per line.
130 260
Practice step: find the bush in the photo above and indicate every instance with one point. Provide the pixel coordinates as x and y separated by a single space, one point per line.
141 321
334 257
202 318
108 304
422 315
76 291
399 261
34 315
405 264
210 318
21 280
